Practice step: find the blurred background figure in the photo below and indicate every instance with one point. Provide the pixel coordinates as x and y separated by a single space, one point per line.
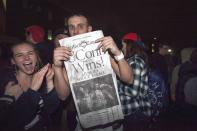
159 58
134 98
185 55
36 34
186 89
187 71
58 35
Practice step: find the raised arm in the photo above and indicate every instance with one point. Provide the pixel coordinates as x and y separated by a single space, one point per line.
120 66
60 78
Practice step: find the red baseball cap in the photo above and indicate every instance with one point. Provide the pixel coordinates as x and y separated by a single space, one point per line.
37 33
132 36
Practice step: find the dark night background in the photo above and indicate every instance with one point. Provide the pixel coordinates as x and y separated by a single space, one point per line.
172 21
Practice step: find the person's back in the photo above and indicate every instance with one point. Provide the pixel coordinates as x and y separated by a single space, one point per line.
160 65
185 85
185 56
158 84
158 93
190 91
187 71
190 94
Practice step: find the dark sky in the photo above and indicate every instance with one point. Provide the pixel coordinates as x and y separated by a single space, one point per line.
169 20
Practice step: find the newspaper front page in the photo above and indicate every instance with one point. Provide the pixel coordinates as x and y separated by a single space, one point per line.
92 81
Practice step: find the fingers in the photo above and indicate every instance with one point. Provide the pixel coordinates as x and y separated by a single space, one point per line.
61 36
107 43
61 54
102 39
44 69
49 79
38 78
13 89
41 73
102 42
10 84
50 73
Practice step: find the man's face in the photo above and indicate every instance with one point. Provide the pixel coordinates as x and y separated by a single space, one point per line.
78 25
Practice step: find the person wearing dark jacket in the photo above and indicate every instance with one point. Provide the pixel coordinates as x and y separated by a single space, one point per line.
187 71
27 95
162 65
185 90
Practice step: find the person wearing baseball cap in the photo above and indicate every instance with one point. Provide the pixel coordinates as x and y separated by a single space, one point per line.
133 37
36 34
135 101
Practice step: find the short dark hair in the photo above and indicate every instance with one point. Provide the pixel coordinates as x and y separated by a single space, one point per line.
78 14
20 42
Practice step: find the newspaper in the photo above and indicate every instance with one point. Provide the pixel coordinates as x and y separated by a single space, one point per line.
92 81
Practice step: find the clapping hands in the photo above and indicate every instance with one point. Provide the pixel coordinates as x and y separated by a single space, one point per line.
39 76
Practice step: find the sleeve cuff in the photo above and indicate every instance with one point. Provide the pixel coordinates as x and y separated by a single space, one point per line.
8 99
34 96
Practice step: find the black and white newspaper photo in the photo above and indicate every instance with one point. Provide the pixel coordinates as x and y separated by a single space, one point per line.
92 80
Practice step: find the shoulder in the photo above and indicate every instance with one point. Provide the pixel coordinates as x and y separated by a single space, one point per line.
155 75
136 60
188 68
6 75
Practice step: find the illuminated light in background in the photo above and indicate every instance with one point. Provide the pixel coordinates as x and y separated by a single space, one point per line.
170 50
4 3
49 35
152 47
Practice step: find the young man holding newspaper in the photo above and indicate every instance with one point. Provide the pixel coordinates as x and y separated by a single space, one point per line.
79 24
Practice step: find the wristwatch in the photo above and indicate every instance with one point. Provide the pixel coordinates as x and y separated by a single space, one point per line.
119 57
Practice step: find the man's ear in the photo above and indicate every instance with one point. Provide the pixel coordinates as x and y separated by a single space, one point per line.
89 28
12 61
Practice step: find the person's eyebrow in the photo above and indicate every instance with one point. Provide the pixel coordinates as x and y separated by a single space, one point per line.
20 53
